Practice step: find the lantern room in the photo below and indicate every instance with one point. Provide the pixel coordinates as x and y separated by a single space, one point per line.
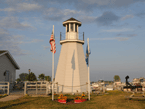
71 25
72 30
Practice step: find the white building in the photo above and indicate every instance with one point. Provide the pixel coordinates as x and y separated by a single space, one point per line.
8 67
71 74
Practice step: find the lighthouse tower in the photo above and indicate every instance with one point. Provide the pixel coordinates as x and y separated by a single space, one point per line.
71 74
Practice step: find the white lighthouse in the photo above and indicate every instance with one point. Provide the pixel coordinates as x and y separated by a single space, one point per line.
71 74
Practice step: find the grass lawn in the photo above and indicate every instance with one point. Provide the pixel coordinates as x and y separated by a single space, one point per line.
113 100
2 96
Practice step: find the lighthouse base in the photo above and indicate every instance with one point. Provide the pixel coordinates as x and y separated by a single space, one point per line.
71 75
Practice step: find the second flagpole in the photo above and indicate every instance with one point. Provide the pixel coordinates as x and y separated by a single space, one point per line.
88 72
53 70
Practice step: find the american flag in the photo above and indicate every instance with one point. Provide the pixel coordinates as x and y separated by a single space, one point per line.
52 43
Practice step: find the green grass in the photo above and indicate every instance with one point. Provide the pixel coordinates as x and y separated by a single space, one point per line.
2 96
113 100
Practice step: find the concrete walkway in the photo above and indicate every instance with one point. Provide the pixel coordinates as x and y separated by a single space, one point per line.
10 97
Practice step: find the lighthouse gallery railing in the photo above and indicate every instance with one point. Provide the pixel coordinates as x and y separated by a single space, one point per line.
81 36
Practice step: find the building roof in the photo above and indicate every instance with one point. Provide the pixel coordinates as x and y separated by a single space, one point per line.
72 20
7 53
2 52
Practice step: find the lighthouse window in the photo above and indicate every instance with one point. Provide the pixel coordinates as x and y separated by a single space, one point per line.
75 27
67 27
71 26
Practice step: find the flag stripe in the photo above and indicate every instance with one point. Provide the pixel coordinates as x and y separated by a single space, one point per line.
52 43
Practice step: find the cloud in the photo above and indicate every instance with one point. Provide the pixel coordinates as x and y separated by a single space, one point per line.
87 19
87 5
4 35
22 7
12 47
113 3
18 36
36 40
59 14
127 17
128 35
3 32
46 47
131 35
63 14
43 35
10 42
114 38
122 38
142 14
12 22
102 38
8 9
98 2
107 18
32 41
27 7
139 26
81 5
118 30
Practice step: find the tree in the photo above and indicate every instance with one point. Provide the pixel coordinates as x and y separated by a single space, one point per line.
31 77
117 78
48 78
18 80
41 76
23 76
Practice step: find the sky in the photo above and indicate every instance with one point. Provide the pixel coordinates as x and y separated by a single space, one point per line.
115 28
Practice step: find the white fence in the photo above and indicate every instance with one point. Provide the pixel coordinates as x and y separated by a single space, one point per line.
38 86
5 86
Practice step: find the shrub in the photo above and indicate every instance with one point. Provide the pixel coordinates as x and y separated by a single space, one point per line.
5 95
26 95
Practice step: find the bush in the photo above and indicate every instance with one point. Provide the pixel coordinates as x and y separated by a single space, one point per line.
5 95
18 80
26 95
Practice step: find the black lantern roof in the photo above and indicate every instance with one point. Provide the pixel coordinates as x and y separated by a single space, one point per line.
72 20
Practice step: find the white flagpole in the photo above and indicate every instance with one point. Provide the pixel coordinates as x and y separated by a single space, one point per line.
88 72
53 70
